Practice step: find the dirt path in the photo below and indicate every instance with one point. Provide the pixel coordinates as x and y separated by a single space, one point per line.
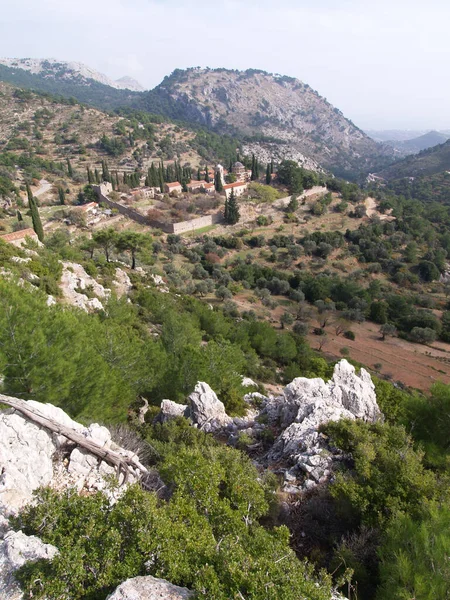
371 210
44 186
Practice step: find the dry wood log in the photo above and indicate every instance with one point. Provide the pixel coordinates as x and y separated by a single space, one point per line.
126 464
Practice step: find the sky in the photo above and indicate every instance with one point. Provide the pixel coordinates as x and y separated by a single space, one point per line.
383 63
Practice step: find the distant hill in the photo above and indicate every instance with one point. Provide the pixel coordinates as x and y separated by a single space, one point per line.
278 117
416 145
58 79
50 68
428 162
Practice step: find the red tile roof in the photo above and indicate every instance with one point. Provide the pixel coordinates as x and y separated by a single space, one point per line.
19 235
235 184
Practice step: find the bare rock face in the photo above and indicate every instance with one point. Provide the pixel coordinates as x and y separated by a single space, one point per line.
15 550
206 410
308 403
74 281
28 457
149 588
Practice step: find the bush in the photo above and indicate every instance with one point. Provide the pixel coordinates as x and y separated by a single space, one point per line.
349 335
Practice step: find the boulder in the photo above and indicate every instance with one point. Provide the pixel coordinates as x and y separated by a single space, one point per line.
15 550
206 410
171 410
149 588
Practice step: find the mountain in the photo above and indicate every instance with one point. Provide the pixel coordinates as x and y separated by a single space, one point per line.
51 68
278 116
422 142
273 116
428 162
85 85
129 83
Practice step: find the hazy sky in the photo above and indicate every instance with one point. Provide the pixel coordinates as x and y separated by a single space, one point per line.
384 63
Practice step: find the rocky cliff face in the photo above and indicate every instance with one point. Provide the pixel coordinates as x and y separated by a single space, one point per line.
287 118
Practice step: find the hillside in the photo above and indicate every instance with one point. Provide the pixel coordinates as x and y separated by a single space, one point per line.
417 144
85 86
44 130
428 162
49 68
278 116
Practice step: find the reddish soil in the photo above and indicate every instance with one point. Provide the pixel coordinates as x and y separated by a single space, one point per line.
415 365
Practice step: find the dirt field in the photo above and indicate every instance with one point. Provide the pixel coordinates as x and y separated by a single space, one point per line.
415 365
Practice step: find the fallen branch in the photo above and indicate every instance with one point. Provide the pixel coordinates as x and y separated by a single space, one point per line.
126 464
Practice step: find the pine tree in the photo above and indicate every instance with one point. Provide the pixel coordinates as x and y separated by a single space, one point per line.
268 175
62 196
36 219
69 168
233 213
218 182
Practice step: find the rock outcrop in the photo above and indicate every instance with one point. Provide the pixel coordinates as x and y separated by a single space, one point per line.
149 587
300 451
75 281
305 405
15 550
206 410
29 453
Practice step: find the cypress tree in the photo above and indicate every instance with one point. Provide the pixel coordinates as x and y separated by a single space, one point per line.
161 179
19 216
218 182
271 167
69 168
199 175
207 174
268 175
36 219
256 168
61 195
97 176
155 178
226 211
233 213
105 171
254 174
89 176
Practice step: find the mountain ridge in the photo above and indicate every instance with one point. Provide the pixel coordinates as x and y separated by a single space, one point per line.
52 68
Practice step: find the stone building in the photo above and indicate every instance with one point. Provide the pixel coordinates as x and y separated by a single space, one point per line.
239 188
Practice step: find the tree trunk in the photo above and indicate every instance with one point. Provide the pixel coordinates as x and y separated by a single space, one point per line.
122 463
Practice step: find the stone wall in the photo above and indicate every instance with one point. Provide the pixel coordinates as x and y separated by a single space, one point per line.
177 228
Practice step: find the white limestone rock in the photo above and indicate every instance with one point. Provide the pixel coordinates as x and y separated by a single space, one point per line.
73 279
206 410
15 550
26 453
149 588
309 403
171 410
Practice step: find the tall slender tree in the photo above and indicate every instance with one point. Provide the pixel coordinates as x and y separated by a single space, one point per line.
218 182
35 217
61 195
89 175
233 213
69 168
268 174
207 174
